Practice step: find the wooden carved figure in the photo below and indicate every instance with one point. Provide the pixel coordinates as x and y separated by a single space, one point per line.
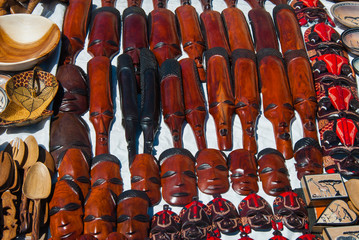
165 225
194 101
145 176
212 171
220 95
178 178
163 37
192 38
243 167
108 3
272 172
133 220
172 99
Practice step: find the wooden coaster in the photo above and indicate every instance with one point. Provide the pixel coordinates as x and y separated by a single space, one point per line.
334 233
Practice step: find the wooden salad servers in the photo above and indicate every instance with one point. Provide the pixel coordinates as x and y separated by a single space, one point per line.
192 38
163 38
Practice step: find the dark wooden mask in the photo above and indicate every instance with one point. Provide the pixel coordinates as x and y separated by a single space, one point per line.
165 225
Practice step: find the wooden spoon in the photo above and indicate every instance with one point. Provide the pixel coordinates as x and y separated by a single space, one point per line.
46 158
37 186
18 150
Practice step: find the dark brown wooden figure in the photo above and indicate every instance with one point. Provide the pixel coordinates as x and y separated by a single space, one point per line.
224 215
277 100
66 211
220 95
212 171
73 165
145 177
243 167
194 101
105 29
178 178
106 173
237 28
212 27
163 38
100 213
150 99
308 156
134 35
128 96
165 225
74 29
291 211
246 92
68 130
272 172
101 107
72 96
172 99
255 213
133 220
192 38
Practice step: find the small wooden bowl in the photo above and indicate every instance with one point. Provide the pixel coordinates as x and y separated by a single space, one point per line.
347 13
25 40
355 65
350 39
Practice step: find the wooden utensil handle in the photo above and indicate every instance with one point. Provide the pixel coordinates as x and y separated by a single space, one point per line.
35 220
24 214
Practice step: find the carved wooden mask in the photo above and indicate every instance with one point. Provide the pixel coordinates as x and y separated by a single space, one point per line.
165 225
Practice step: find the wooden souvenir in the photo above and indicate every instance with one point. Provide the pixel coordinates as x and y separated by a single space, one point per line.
10 209
108 3
73 165
178 178
165 224
352 189
106 173
212 27
46 158
73 92
172 99
255 213
74 29
237 28
212 171
104 41
100 216
220 95
134 33
101 107
191 35
307 236
308 156
133 220
62 136
290 211
224 215
194 101
243 167
195 221
116 236
87 237
163 37
145 176
277 99
349 232
6 171
246 92
337 213
128 98
66 211
273 172
321 189
18 150
352 207
150 99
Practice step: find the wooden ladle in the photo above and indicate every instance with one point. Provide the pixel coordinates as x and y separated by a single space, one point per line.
37 186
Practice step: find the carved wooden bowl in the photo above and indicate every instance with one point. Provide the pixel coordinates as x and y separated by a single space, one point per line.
347 13
25 40
350 39
355 65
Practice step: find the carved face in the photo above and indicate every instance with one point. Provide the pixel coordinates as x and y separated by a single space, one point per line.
212 171
290 210
178 179
101 121
133 220
311 11
100 216
244 172
255 213
165 226
145 176
224 215
272 172
65 212
343 160
331 64
195 221
108 3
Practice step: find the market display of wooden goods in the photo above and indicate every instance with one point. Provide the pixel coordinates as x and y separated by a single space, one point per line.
119 169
